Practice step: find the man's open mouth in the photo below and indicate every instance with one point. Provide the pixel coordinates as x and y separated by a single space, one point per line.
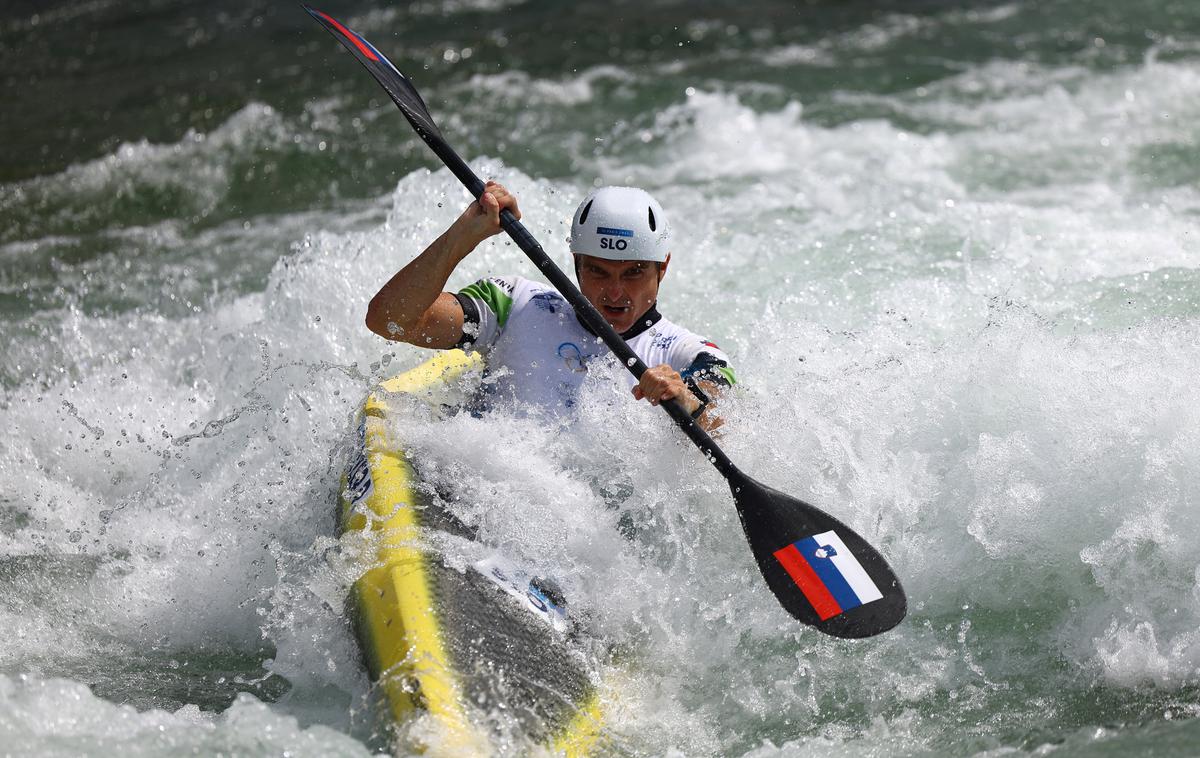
615 310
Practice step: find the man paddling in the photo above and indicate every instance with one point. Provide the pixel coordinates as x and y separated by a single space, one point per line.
537 350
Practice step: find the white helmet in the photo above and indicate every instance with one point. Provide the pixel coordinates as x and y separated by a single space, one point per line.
621 224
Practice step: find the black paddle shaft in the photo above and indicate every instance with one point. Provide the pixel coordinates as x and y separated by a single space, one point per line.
861 598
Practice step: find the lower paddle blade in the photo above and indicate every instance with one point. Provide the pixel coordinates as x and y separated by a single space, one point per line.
821 571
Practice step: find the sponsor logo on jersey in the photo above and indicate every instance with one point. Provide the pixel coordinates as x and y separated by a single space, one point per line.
664 341
503 284
547 301
573 357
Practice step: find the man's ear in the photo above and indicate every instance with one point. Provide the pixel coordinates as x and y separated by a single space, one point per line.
662 268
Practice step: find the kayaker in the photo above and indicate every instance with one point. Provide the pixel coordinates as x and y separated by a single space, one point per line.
537 351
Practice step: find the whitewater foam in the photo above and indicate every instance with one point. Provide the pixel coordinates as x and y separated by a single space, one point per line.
964 323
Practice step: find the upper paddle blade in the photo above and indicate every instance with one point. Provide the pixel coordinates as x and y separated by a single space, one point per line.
821 571
397 85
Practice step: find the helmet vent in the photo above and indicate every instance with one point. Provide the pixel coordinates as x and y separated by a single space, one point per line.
586 208
653 226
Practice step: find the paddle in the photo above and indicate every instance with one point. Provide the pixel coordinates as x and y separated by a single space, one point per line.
821 571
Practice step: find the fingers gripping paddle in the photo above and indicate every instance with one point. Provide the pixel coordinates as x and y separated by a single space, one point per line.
821 571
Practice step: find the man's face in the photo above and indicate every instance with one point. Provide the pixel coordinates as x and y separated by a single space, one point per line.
621 290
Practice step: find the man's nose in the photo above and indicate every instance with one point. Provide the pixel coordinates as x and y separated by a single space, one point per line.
614 292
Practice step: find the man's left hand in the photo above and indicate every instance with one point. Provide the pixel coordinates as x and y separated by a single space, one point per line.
664 383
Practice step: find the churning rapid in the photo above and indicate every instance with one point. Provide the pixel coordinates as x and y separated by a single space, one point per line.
951 249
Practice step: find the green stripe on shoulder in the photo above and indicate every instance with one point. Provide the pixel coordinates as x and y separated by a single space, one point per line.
727 372
495 298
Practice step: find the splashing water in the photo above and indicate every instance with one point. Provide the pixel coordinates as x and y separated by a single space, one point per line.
951 251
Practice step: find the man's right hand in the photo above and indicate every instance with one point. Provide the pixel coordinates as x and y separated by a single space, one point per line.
481 219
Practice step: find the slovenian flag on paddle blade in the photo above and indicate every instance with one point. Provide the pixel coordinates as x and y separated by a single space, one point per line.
828 574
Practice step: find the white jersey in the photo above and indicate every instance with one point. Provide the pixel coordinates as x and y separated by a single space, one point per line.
538 352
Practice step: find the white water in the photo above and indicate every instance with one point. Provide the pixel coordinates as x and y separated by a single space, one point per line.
976 345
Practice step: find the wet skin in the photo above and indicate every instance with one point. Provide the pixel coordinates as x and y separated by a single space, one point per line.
621 290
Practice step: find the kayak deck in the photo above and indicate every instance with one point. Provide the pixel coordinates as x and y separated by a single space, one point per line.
457 644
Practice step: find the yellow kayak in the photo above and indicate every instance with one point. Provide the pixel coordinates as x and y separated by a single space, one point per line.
482 654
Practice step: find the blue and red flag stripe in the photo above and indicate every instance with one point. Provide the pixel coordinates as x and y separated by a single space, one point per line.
811 564
809 583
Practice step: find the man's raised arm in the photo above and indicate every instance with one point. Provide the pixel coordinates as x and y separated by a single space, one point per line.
412 307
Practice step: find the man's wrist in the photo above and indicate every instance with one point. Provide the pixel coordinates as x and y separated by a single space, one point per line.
459 244
697 399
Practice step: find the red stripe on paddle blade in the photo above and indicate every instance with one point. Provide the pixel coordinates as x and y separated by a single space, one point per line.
808 582
352 36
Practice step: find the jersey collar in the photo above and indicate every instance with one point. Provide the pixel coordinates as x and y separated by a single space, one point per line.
647 320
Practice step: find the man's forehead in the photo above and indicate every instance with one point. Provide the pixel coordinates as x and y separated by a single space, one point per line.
605 263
